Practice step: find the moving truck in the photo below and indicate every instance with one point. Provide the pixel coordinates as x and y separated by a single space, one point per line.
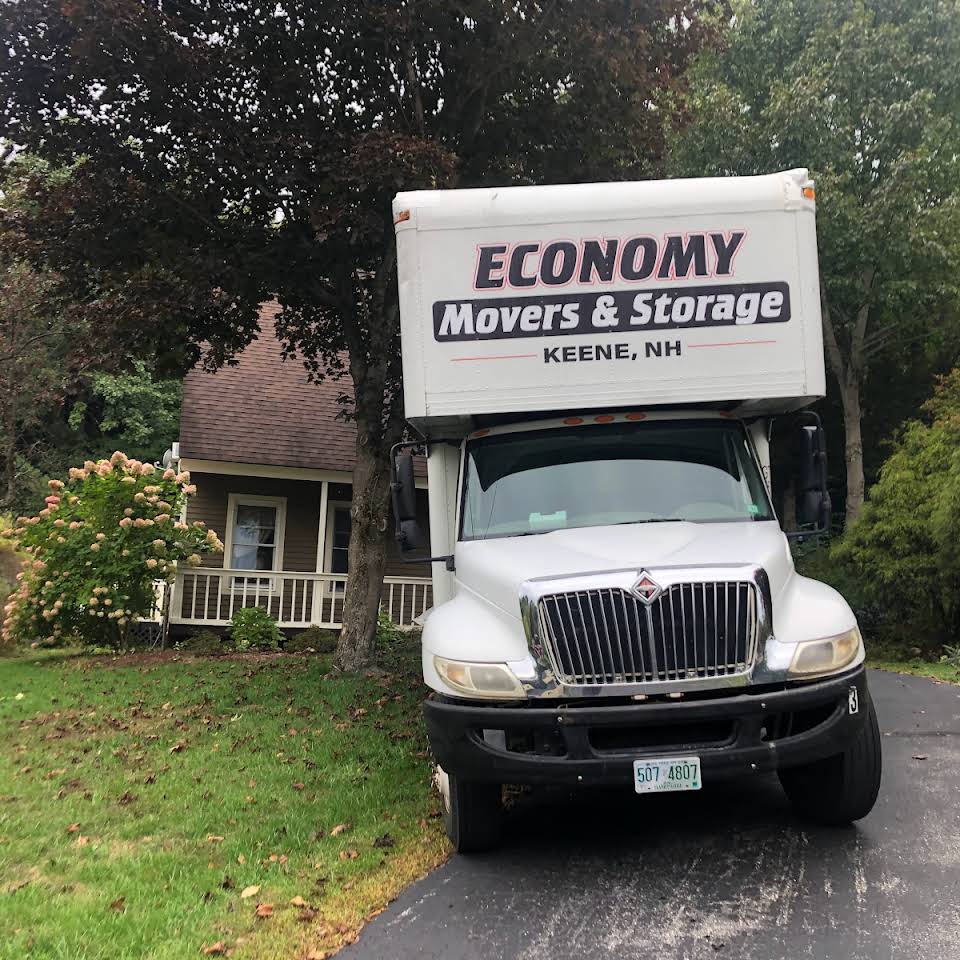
595 372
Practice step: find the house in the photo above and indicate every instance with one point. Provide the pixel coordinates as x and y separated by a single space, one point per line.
272 459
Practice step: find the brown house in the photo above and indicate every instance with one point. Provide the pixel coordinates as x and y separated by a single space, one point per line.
272 463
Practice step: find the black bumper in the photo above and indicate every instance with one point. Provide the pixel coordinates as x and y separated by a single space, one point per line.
585 742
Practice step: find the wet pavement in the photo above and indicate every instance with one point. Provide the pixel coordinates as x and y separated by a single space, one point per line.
727 872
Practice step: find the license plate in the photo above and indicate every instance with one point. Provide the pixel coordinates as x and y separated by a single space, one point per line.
665 775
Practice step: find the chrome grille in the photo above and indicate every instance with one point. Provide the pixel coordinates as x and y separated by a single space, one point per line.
692 630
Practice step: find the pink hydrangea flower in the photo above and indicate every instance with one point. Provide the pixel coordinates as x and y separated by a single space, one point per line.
169 474
126 522
94 547
151 563
55 485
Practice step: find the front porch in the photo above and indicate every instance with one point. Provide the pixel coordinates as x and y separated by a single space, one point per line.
286 534
209 598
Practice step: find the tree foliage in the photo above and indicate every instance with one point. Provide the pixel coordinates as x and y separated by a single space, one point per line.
226 152
96 550
905 546
867 95
130 409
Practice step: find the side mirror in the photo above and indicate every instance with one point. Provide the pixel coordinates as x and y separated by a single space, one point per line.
404 488
408 535
813 498
403 492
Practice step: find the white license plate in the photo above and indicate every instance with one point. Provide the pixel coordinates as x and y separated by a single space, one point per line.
665 775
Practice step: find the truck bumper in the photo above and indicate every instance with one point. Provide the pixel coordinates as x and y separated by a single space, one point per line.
583 742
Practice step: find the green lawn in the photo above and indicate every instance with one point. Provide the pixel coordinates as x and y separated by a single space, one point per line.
141 798
922 668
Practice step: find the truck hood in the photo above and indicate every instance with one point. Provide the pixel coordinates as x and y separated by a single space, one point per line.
494 569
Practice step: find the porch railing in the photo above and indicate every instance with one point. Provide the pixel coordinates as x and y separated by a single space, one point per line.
207 597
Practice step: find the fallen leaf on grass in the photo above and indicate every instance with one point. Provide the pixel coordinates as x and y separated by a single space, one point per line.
178 746
125 798
298 901
73 827
118 904
214 838
248 892
349 854
264 910
82 841
241 859
317 955
384 841
340 828
217 949
297 785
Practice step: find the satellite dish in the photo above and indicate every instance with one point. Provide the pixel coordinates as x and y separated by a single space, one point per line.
167 457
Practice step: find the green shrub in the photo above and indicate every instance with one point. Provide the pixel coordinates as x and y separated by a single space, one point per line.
96 550
252 628
314 639
206 643
904 548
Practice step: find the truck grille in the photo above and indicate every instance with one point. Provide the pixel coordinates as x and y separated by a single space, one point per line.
692 630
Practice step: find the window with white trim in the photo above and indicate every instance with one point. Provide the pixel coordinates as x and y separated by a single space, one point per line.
338 540
255 534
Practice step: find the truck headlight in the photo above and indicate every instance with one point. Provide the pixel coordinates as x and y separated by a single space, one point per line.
479 679
827 655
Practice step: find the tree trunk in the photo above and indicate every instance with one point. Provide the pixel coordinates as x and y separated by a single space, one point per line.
853 445
367 557
10 456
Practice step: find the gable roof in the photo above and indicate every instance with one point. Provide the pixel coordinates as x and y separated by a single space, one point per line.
264 410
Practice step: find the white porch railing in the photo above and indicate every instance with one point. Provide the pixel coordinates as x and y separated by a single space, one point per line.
208 597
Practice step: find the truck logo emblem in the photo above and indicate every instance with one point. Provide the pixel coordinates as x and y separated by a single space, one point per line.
646 589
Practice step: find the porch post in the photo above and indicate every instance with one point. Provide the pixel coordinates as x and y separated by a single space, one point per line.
319 586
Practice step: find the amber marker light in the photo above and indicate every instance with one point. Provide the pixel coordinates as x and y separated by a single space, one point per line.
809 193
636 416
573 421
604 418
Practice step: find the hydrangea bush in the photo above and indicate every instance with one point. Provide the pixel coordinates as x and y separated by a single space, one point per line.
97 549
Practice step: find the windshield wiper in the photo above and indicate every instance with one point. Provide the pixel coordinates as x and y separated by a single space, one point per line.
625 523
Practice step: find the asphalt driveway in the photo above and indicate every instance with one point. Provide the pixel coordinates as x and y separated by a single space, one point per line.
727 872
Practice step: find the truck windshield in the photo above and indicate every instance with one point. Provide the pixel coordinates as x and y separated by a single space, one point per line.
587 476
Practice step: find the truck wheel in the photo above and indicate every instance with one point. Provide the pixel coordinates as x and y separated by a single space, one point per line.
843 788
471 812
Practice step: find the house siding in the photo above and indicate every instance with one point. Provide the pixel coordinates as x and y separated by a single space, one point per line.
302 515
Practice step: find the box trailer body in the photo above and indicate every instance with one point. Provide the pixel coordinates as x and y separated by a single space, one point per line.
659 293
593 371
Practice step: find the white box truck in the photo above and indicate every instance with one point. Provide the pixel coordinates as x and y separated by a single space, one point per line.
593 372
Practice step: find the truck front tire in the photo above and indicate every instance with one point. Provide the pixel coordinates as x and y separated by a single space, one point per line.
472 814
843 788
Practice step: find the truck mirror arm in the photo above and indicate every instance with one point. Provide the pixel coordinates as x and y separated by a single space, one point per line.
447 561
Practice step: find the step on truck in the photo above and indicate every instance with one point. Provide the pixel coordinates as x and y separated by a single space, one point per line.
595 374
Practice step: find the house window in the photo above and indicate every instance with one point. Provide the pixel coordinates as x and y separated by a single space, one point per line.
255 535
338 541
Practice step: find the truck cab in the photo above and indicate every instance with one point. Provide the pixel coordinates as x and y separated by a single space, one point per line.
615 600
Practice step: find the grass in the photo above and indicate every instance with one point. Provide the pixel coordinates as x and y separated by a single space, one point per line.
949 672
140 796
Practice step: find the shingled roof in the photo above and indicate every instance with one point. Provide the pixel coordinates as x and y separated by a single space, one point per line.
263 410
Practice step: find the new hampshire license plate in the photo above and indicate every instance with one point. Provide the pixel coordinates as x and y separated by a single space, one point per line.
664 775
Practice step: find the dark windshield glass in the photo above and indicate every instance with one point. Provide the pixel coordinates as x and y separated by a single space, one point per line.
587 476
